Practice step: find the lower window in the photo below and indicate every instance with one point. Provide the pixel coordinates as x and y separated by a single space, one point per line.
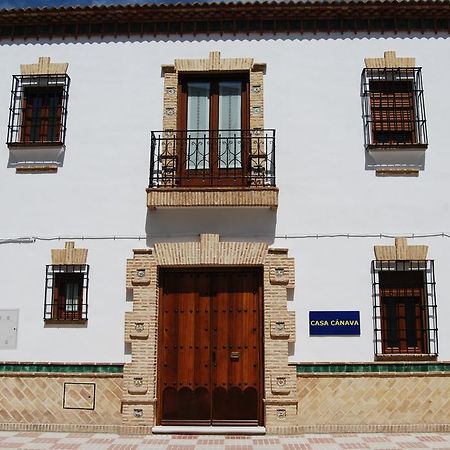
405 319
66 292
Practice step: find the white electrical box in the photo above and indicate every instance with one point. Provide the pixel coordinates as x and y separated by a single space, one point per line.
8 328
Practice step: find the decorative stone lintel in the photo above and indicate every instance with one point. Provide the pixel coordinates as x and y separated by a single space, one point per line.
214 63
401 251
69 255
44 67
210 251
389 60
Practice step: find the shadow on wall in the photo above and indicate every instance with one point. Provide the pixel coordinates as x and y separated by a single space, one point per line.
233 224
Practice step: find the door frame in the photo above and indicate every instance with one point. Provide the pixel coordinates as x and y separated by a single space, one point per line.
260 314
139 401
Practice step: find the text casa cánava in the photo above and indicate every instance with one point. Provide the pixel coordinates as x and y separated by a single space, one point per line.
333 323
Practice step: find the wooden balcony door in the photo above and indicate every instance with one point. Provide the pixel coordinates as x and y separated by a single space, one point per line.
209 359
214 114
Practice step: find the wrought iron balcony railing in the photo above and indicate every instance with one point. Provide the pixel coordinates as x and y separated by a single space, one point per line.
212 158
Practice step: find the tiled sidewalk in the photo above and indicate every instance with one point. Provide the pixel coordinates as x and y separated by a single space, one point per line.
85 441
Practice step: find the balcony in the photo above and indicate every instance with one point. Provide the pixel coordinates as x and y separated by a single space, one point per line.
212 168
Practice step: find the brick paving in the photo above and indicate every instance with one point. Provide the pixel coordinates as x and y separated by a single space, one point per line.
92 441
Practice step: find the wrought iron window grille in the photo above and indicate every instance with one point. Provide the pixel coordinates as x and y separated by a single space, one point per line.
404 308
66 292
38 110
212 158
393 108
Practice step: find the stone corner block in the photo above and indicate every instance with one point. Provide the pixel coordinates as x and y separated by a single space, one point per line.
136 326
283 327
280 414
282 271
138 273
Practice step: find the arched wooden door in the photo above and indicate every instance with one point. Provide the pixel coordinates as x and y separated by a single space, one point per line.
209 358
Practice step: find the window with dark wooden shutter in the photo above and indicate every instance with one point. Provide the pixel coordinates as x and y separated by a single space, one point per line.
66 293
392 107
68 299
405 313
42 111
38 110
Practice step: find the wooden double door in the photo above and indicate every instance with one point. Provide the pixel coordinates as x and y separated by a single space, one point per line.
210 347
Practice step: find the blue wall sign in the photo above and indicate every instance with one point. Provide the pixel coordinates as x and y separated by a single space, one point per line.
334 323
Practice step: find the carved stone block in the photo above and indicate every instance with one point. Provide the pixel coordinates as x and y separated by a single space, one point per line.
137 385
140 277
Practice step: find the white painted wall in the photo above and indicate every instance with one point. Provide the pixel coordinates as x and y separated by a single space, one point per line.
311 99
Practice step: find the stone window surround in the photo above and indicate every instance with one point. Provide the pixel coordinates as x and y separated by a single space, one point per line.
68 256
202 197
390 61
401 251
43 67
141 324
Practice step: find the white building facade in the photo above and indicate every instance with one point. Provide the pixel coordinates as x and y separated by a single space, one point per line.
298 185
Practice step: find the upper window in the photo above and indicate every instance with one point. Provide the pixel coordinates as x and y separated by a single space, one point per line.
38 109
214 112
393 108
404 308
66 292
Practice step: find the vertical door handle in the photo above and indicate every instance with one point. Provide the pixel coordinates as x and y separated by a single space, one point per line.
213 357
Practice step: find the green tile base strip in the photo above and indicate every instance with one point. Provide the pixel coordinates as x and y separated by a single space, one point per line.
403 367
61 368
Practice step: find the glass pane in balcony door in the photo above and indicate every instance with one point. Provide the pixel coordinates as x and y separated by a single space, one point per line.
230 124
197 145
